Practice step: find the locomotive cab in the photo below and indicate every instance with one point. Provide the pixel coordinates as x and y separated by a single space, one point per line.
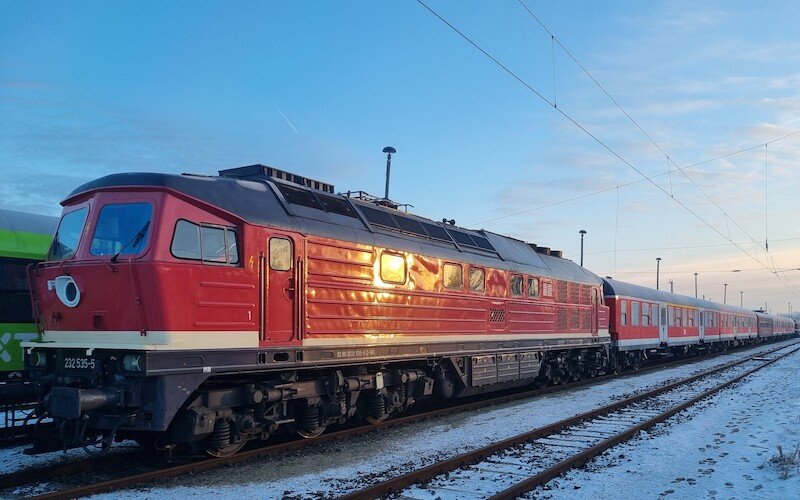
115 287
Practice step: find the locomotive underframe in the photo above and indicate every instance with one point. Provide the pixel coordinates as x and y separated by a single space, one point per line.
229 400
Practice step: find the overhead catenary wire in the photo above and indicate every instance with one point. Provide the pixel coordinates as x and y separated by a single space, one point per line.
687 247
650 138
669 159
593 136
637 181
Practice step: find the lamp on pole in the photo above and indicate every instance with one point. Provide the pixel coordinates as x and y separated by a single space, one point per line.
658 270
695 285
582 232
389 151
725 294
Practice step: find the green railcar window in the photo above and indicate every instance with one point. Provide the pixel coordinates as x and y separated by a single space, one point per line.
15 302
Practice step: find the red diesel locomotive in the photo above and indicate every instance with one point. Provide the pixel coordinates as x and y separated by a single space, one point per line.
211 310
202 312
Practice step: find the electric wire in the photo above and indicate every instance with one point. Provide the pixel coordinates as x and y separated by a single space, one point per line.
637 181
643 131
669 159
593 136
688 247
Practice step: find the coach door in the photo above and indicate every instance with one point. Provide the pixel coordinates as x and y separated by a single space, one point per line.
702 323
279 321
662 325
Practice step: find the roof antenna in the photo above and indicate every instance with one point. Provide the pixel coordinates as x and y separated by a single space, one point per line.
389 152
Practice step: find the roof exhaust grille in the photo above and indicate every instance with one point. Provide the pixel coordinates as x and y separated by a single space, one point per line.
264 172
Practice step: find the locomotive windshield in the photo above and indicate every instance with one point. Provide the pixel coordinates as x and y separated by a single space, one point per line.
68 235
122 229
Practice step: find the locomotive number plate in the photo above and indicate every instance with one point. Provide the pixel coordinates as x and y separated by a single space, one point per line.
80 364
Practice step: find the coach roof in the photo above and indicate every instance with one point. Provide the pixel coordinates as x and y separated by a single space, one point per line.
614 288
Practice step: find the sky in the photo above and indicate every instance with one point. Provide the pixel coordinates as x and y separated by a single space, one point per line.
319 88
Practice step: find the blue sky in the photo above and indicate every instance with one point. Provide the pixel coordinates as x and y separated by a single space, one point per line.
319 88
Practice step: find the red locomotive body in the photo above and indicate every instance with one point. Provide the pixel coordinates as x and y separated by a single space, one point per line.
210 310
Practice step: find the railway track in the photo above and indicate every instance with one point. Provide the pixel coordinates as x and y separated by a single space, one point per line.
99 471
514 466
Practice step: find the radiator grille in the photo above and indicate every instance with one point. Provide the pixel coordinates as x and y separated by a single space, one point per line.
497 315
561 319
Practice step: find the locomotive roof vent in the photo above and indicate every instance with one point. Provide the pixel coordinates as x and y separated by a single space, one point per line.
264 172
556 253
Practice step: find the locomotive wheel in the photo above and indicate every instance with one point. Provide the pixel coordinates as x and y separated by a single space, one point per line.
311 434
227 451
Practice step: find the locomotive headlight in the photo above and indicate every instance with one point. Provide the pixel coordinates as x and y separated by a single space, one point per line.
131 363
38 359
67 290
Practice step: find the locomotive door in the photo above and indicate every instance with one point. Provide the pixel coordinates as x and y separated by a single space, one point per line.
662 325
280 290
595 307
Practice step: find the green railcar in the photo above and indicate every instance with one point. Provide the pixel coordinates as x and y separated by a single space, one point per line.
24 239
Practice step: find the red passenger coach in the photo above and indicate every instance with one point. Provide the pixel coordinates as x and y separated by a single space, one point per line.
770 326
205 311
645 321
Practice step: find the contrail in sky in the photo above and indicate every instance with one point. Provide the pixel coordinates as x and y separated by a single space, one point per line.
287 120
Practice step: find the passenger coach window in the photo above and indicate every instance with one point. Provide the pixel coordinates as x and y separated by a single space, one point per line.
516 284
393 268
68 235
477 279
623 312
216 244
15 301
635 313
533 287
281 254
453 277
645 314
122 228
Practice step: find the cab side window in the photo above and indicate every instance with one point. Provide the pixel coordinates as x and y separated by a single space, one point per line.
205 242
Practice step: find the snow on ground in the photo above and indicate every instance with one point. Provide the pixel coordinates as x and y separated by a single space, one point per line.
729 446
331 469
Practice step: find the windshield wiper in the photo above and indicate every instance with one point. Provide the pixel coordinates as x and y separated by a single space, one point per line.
133 241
